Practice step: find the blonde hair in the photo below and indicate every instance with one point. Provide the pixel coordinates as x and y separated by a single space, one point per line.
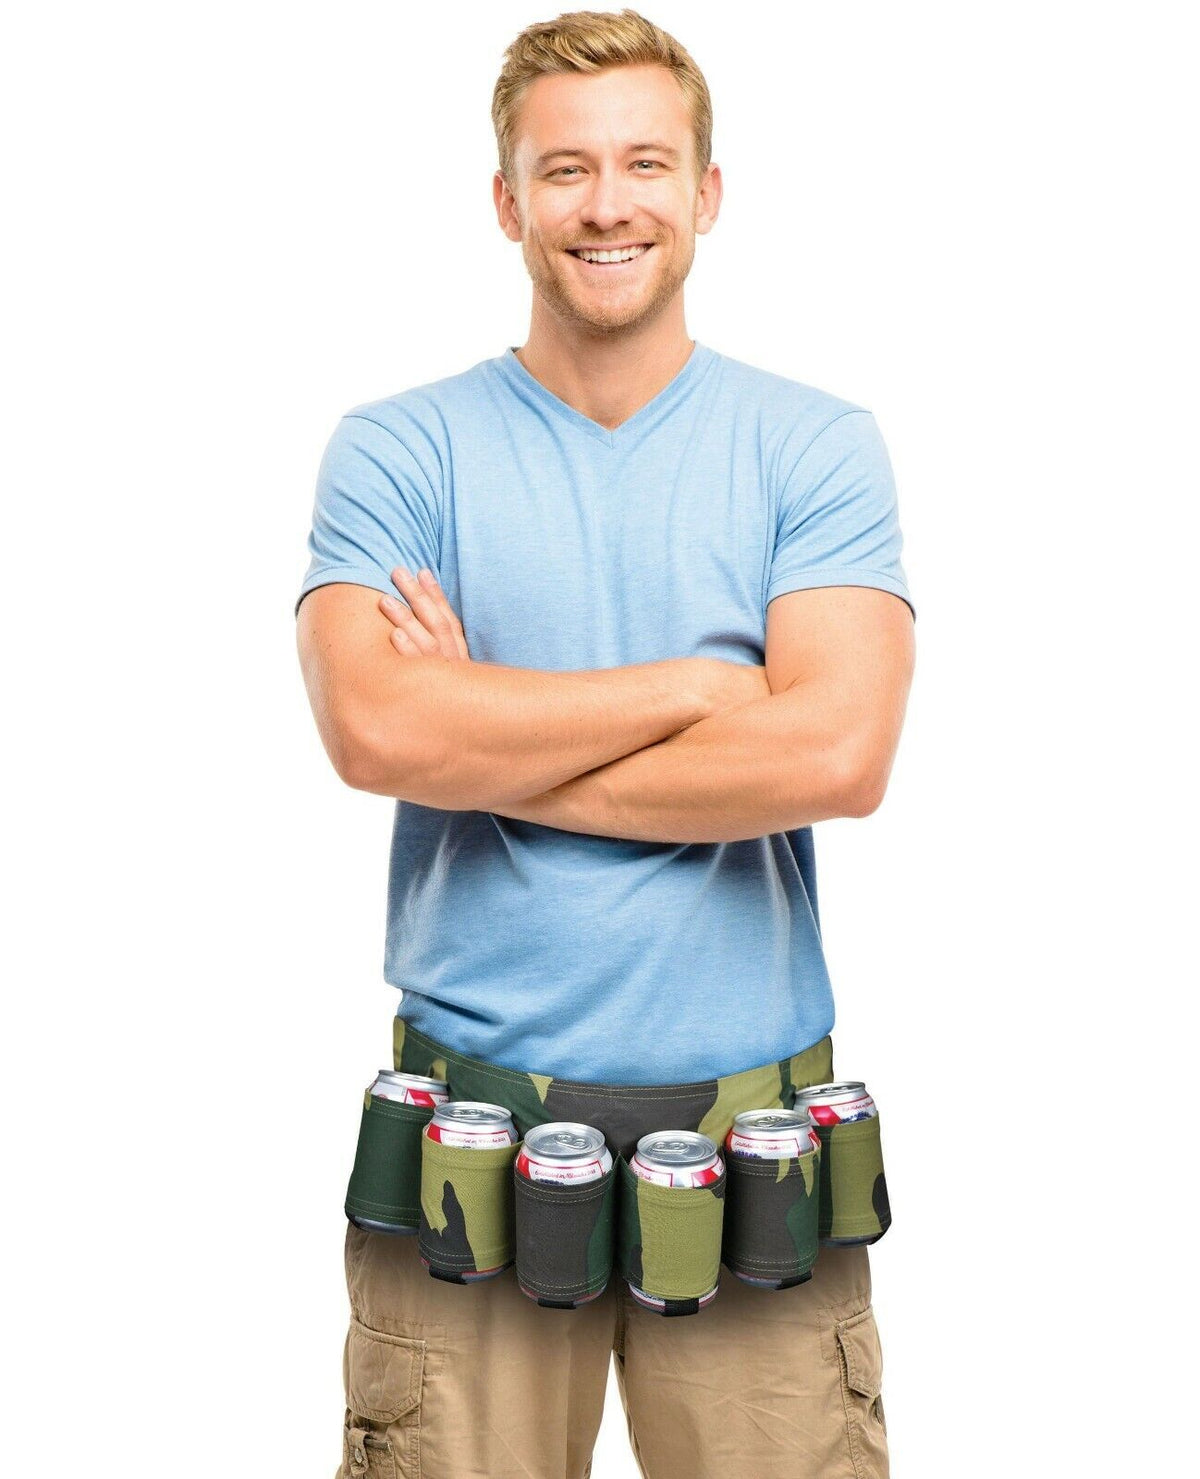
590 41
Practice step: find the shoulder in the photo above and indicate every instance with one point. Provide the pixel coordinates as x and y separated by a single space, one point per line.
426 409
791 413
413 425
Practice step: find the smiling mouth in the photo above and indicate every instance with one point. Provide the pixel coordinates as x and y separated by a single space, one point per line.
611 266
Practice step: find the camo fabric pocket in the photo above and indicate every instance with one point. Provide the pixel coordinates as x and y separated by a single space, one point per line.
669 1241
466 1222
385 1184
770 1228
854 1197
564 1238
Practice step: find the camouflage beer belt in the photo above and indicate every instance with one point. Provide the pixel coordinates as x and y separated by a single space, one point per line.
475 1215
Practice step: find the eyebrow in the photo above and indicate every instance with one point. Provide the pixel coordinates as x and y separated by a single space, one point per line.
544 159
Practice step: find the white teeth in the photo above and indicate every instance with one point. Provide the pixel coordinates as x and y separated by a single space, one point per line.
626 256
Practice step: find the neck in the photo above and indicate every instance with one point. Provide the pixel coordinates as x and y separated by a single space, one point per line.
605 377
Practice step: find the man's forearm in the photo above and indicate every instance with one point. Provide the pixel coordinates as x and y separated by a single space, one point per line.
474 736
745 772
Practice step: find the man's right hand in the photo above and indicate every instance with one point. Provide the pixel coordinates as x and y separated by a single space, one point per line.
428 626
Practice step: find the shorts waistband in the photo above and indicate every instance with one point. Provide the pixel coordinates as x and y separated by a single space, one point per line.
624 1112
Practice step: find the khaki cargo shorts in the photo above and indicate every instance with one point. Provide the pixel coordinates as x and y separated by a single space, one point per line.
477 1381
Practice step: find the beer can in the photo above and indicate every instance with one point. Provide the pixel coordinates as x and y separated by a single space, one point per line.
675 1158
569 1154
837 1104
473 1123
401 1088
770 1134
565 1152
476 1125
410 1088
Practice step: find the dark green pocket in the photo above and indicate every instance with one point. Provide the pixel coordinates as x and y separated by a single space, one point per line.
854 1198
466 1226
669 1240
770 1233
564 1238
385 1184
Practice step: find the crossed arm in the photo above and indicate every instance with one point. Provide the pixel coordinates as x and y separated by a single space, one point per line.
688 750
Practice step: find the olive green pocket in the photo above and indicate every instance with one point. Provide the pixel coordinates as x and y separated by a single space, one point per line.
564 1238
770 1235
466 1224
385 1184
854 1197
669 1239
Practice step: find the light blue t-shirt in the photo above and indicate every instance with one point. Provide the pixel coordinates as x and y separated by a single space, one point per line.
563 545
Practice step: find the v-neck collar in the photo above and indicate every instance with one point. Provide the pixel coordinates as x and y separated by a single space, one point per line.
531 388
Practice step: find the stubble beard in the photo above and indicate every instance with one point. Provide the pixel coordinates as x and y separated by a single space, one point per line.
588 313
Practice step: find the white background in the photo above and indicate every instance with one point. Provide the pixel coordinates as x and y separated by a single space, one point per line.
228 224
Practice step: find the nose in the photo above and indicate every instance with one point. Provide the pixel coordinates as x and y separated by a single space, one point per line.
609 201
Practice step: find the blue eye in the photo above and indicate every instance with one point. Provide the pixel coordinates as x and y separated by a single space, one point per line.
566 168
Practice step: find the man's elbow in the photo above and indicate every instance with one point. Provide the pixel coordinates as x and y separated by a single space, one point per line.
365 763
862 785
406 773
867 797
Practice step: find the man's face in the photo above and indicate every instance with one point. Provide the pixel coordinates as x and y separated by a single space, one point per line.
607 160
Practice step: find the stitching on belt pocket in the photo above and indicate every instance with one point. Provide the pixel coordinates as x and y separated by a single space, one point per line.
564 1235
669 1238
466 1223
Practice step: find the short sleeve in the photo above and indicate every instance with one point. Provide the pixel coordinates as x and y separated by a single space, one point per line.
838 522
374 509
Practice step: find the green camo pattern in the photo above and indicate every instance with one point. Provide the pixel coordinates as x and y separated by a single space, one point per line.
564 1237
466 1206
771 1217
623 1112
669 1237
669 1241
854 1197
385 1183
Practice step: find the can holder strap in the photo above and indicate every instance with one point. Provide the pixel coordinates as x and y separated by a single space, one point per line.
669 1238
385 1184
854 1198
466 1222
771 1218
564 1237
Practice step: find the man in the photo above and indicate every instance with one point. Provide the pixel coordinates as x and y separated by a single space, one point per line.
644 621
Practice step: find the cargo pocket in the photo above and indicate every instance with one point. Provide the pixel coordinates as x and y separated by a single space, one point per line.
669 1241
466 1223
861 1361
854 1197
384 1194
384 1374
770 1232
564 1238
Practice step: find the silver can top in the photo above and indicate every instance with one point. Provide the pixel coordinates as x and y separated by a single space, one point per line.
676 1147
768 1121
852 1086
471 1112
563 1140
393 1077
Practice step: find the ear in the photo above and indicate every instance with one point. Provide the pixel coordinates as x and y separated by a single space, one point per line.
708 200
506 207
